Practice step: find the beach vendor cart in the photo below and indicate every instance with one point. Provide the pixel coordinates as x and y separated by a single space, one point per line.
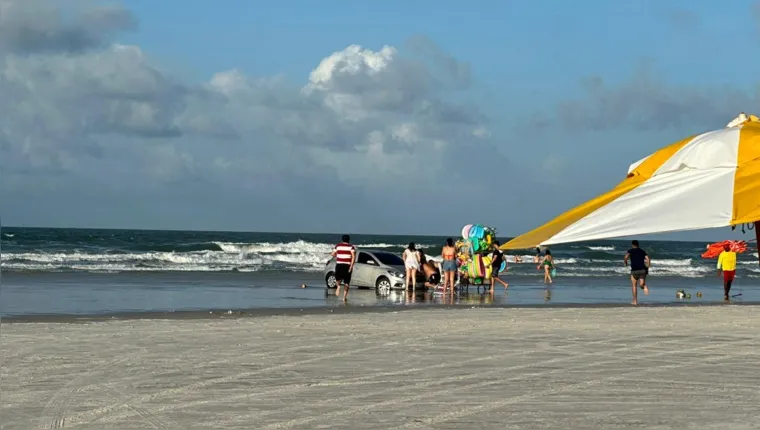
474 256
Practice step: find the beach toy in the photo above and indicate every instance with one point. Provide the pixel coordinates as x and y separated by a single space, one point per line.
476 232
472 231
481 265
553 272
503 266
466 231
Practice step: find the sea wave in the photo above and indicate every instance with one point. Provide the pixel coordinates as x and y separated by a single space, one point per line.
215 256
306 256
601 248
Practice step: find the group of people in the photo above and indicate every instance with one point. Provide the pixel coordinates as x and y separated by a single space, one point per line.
416 262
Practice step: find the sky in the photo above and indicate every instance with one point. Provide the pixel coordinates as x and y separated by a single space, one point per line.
352 116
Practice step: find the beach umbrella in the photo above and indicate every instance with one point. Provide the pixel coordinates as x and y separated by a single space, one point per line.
705 181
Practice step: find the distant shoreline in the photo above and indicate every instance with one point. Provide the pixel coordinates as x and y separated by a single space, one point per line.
212 314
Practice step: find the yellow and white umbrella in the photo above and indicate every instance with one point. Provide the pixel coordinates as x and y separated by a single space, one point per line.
705 181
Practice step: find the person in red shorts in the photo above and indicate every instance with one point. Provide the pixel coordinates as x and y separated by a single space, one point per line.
727 264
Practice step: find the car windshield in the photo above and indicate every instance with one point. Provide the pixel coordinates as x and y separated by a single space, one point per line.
389 259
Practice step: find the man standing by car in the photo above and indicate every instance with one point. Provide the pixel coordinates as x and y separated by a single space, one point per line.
639 269
345 257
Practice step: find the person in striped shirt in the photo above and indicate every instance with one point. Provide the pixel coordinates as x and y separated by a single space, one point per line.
345 257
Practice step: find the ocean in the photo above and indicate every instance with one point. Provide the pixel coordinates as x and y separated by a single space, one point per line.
89 271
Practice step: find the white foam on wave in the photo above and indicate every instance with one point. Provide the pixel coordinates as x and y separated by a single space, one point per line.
601 248
245 257
310 257
679 271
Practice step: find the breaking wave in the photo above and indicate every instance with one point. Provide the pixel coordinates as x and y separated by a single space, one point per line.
297 256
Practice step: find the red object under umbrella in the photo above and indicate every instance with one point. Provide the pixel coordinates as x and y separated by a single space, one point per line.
714 249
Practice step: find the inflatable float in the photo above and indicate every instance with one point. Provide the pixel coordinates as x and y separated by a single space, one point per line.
474 253
714 249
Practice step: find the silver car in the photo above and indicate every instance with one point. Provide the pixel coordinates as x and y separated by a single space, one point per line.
380 270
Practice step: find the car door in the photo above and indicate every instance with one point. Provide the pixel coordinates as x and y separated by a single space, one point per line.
363 270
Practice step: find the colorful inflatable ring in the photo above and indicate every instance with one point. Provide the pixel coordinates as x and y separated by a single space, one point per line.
466 231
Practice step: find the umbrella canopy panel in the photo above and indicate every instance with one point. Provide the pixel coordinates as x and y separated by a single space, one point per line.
705 181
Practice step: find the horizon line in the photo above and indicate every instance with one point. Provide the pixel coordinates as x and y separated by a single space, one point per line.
303 232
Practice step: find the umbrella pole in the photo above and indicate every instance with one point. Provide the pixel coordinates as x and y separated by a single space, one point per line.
757 239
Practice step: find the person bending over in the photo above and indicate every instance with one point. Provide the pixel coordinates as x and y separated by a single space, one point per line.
432 273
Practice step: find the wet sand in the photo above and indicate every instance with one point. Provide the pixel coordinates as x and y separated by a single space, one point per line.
494 368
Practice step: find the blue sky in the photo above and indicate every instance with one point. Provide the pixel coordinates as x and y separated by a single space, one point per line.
526 59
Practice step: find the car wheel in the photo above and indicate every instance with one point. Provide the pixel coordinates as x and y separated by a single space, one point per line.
383 286
330 280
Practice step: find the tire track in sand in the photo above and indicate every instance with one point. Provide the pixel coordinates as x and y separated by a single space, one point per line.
367 379
53 415
395 401
96 414
471 410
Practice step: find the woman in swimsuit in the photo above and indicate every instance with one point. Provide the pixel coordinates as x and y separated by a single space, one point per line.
412 263
548 265
449 254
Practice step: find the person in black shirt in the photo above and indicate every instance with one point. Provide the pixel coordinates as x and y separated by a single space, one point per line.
497 257
640 263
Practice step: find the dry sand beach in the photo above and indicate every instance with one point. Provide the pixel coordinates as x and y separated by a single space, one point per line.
667 367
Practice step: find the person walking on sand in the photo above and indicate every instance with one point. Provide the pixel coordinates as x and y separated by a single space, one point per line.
640 263
449 255
497 257
412 264
345 257
727 265
548 264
